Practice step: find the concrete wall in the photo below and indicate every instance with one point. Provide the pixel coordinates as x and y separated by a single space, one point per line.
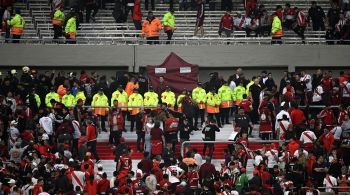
215 56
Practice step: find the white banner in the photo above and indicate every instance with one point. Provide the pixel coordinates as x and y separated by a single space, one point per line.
160 70
185 69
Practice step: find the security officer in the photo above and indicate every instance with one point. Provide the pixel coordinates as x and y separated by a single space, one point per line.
33 97
57 22
135 99
199 96
71 29
179 100
213 106
225 94
122 97
68 100
51 95
100 101
17 24
238 93
151 98
168 97
276 30
80 95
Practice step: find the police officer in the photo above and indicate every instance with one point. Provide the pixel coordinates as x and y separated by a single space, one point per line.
225 95
168 97
51 95
213 106
100 101
179 100
135 102
17 24
199 96
238 93
68 100
151 98
80 95
57 22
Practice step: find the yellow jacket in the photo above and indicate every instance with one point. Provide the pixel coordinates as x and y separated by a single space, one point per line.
168 97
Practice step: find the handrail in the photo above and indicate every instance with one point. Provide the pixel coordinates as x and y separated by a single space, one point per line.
183 41
229 142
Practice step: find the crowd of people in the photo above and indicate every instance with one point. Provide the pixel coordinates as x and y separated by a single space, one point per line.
256 19
49 133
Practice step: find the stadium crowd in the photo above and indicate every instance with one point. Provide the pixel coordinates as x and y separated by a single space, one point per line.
49 133
256 19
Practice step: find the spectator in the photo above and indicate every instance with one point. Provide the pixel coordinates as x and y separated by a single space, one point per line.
301 24
333 16
200 18
317 16
289 16
226 24
137 15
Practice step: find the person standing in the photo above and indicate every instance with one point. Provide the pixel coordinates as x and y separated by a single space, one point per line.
100 101
169 24
213 105
135 101
276 30
71 29
137 15
168 98
226 24
317 16
17 24
301 24
57 22
200 18
199 97
151 28
209 132
91 136
91 5
225 95
151 99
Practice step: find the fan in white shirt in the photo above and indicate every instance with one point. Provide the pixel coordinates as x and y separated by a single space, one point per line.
307 137
317 96
337 131
258 159
300 151
174 172
78 179
329 182
46 123
272 158
306 78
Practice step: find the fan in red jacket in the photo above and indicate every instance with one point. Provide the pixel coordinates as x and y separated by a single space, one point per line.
124 166
103 185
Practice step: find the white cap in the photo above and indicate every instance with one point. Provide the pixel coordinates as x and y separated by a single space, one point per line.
99 165
26 69
12 181
13 71
45 137
71 160
13 122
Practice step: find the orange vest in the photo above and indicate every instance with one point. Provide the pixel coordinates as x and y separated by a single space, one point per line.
226 104
57 22
279 33
16 31
213 109
151 28
123 104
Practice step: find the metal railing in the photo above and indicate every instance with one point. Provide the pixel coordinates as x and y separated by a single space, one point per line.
135 40
227 142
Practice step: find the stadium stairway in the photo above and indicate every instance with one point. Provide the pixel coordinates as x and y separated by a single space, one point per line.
105 150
